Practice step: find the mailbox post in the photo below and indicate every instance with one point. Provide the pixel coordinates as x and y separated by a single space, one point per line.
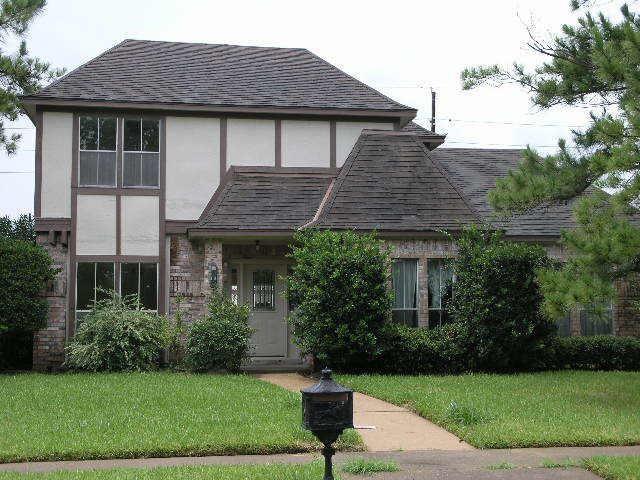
327 409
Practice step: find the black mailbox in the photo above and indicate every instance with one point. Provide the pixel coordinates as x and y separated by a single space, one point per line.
327 409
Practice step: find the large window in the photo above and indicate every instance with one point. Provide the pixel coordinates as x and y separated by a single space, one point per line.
140 279
97 153
596 321
94 280
141 156
405 287
440 286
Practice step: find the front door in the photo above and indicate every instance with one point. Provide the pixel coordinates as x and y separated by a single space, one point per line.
263 292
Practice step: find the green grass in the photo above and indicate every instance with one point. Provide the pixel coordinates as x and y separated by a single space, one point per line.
369 466
502 466
615 468
309 471
80 416
568 463
571 408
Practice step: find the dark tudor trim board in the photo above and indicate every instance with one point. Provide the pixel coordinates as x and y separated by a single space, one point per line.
37 192
71 313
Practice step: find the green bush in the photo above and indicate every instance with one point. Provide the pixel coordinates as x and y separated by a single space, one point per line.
117 335
339 287
601 352
220 340
497 300
25 271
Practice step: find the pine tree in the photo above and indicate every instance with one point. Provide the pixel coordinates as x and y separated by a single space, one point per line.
594 63
20 74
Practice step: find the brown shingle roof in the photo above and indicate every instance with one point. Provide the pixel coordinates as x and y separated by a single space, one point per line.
222 75
389 182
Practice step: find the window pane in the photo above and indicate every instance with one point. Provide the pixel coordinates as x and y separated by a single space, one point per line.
132 135
150 136
129 279
107 140
85 280
264 289
150 169
564 326
131 169
104 280
594 322
406 317
149 286
88 168
88 133
107 168
434 284
405 283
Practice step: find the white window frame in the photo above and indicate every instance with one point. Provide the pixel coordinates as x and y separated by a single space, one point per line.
142 152
80 150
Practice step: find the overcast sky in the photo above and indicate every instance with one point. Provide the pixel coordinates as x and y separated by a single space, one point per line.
401 48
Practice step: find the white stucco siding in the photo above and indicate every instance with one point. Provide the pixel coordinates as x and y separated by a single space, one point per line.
193 165
140 225
251 142
96 225
347 134
305 143
57 133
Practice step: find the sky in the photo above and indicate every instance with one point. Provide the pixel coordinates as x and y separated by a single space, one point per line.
403 49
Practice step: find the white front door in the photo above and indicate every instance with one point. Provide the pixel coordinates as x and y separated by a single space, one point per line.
263 292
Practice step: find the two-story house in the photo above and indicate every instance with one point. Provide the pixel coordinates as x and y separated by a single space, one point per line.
165 168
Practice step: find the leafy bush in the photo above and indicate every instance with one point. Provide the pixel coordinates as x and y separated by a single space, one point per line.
221 339
497 301
601 352
339 287
25 271
117 335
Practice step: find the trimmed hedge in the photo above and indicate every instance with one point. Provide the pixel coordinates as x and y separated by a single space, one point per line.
601 352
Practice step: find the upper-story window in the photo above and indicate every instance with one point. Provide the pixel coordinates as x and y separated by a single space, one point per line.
98 151
141 153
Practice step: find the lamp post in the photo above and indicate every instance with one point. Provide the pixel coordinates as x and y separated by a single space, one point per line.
327 409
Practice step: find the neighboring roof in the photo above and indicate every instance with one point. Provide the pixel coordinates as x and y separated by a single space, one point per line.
475 171
390 183
154 72
265 198
431 139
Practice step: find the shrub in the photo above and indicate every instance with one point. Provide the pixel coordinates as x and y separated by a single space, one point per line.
498 301
25 271
117 335
601 352
220 340
339 287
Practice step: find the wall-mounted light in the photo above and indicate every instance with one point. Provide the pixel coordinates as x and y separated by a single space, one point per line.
213 275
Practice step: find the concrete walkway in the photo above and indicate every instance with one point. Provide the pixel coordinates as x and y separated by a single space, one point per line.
383 427
431 464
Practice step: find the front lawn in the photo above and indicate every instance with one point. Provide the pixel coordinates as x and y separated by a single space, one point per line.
309 471
615 468
80 416
571 408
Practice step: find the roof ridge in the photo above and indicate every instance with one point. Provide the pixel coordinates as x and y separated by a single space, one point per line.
177 42
219 194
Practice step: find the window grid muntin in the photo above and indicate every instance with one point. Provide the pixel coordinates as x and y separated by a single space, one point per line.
140 154
98 151
139 282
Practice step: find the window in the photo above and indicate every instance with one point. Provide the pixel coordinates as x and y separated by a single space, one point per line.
94 280
140 279
97 153
440 286
596 321
141 155
564 326
405 288
264 290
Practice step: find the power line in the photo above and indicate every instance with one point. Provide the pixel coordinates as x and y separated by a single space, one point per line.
16 171
497 122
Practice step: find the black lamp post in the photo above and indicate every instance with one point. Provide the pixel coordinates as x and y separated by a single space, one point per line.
327 409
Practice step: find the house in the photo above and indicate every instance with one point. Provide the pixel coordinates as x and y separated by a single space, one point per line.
165 168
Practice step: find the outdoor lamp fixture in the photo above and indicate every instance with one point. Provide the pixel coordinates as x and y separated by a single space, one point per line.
327 409
213 276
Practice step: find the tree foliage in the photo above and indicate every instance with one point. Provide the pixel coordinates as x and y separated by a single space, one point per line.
594 64
20 73
21 228
339 286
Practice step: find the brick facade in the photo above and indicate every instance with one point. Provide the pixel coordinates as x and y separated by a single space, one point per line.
48 343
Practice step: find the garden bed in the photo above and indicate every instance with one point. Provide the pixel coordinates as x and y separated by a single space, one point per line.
83 416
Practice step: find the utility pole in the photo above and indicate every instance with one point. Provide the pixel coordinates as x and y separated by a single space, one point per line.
433 110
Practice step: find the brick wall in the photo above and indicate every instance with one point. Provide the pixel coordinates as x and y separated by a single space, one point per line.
626 316
48 344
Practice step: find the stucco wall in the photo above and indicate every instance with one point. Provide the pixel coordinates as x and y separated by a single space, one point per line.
347 134
251 142
56 164
193 165
96 225
305 143
140 222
